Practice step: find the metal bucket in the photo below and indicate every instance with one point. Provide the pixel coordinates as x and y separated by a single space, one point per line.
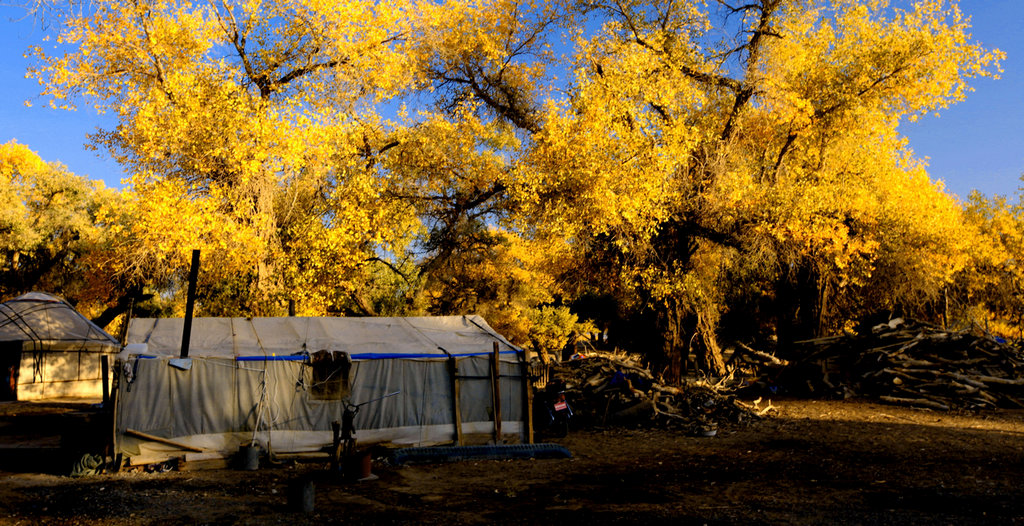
249 457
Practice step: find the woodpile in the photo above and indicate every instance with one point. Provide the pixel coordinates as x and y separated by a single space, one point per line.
909 363
608 389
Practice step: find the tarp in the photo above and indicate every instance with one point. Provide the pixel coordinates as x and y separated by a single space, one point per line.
48 323
253 380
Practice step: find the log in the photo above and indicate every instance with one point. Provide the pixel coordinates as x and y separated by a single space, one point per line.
671 413
968 380
596 379
961 363
997 380
910 362
923 402
667 389
633 369
987 397
763 355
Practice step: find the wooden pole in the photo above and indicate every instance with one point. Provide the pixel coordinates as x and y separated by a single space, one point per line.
162 440
105 374
496 393
336 450
453 376
524 375
193 276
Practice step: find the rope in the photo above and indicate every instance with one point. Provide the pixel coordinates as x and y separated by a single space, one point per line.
266 402
425 337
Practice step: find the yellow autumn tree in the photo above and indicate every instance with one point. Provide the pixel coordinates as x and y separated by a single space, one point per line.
840 83
49 229
257 113
683 157
678 156
988 292
279 121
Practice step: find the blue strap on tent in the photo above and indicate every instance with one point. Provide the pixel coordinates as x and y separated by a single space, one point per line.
388 356
360 356
286 358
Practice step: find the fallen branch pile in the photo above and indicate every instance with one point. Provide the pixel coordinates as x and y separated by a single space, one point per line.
606 389
906 362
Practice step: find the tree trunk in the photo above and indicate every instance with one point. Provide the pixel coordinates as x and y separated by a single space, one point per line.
267 279
798 313
680 333
673 350
124 303
707 351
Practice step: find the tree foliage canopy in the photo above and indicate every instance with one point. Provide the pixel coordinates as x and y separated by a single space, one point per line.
690 160
49 227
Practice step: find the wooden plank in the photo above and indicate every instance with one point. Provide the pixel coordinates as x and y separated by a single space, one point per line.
143 460
209 455
304 455
202 465
453 376
162 440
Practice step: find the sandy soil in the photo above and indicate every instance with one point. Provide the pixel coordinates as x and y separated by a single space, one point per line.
815 462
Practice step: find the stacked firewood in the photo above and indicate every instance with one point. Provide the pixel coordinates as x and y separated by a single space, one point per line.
612 389
906 362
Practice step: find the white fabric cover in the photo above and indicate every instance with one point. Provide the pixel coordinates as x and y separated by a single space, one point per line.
49 323
361 338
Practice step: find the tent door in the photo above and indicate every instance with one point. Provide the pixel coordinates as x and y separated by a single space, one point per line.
10 364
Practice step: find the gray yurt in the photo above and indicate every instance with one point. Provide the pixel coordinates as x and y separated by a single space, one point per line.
279 383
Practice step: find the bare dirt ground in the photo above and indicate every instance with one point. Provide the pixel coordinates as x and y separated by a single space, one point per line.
814 462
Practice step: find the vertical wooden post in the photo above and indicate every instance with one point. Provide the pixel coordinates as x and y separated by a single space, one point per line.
336 447
496 392
453 376
190 301
105 374
524 375
112 437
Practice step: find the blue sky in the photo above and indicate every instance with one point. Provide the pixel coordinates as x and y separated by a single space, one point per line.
976 144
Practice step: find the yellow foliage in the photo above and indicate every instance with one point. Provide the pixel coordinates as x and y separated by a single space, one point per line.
300 141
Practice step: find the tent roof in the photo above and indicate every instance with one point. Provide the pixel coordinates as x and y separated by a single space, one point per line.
51 324
361 338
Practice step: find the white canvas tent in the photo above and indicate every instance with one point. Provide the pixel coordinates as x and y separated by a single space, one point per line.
258 380
49 350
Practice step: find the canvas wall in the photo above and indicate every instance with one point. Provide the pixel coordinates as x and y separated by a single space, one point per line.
217 402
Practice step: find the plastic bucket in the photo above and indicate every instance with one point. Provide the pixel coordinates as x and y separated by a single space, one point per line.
359 466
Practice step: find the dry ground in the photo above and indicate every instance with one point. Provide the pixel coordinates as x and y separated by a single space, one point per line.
815 462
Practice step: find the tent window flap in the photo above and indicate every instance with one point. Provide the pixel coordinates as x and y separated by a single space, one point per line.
330 375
